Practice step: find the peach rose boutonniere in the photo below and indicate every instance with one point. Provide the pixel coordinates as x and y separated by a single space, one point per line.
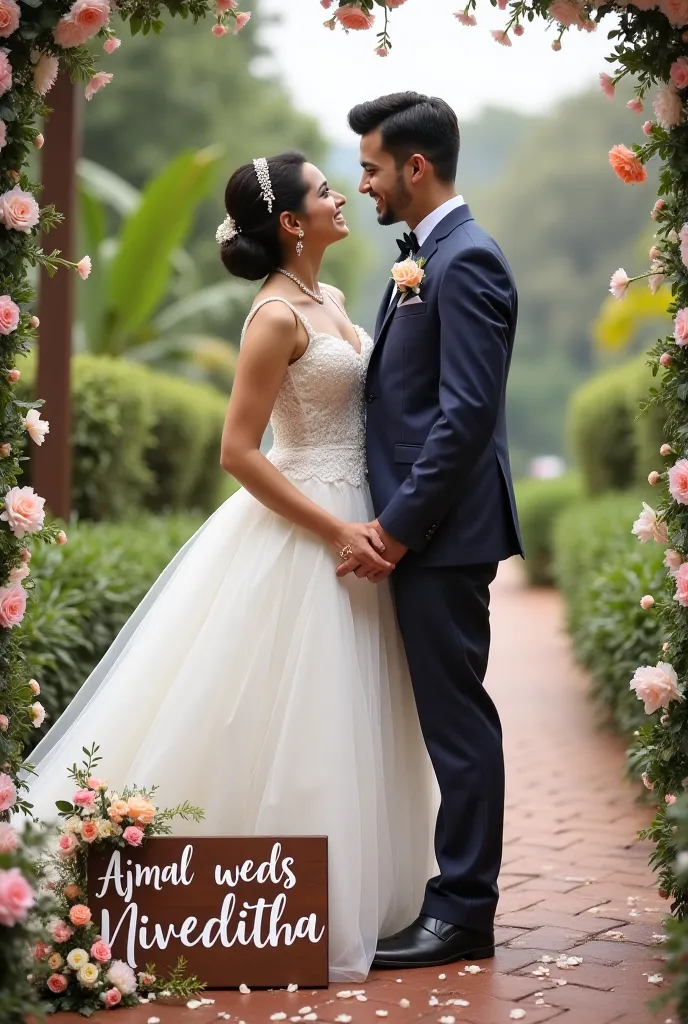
408 275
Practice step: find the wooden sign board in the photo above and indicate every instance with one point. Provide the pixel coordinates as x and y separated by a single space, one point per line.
248 910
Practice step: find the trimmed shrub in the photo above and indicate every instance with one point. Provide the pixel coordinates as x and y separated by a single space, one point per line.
140 438
84 593
540 502
614 447
603 572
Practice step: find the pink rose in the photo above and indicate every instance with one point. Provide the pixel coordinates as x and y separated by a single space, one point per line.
607 85
85 798
24 511
101 952
98 82
3 134
665 360
464 18
653 478
9 17
39 141
19 573
57 983
5 451
681 578
112 44
12 605
5 72
14 375
519 30
657 209
678 481
665 449
35 427
45 73
113 997
681 327
133 835
656 686
8 793
67 845
672 559
241 20
19 210
85 19
219 30
4 723
79 915
668 106
222 6
61 537
16 897
669 799
647 602
618 286
648 127
679 73
676 11
352 16
683 239
60 931
9 840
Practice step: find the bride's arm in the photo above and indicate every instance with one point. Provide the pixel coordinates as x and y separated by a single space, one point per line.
272 341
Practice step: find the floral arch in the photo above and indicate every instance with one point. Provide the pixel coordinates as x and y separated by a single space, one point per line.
648 41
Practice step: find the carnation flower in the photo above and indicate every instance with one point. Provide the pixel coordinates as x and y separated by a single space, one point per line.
668 106
37 714
464 18
97 82
656 686
618 286
607 85
500 36
35 426
122 977
59 931
45 73
626 165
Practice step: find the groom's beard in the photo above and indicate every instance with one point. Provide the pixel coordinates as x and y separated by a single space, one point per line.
396 204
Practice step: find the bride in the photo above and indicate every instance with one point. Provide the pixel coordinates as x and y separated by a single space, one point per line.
251 680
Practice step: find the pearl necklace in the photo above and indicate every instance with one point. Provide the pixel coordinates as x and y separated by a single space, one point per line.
292 277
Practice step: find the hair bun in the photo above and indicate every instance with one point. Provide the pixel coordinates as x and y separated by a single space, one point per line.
247 257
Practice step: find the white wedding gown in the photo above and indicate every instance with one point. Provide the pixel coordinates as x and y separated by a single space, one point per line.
254 683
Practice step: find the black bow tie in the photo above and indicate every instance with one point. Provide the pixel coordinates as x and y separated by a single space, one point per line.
408 245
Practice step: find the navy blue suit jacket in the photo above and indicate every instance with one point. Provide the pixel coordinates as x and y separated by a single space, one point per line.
436 440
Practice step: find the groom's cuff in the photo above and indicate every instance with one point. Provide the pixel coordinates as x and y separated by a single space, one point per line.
397 527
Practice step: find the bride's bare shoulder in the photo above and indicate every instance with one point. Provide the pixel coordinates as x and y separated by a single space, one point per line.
336 294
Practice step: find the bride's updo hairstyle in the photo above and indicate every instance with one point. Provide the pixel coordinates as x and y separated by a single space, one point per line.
250 246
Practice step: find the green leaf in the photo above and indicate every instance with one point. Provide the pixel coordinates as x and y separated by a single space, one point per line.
64 807
140 271
108 187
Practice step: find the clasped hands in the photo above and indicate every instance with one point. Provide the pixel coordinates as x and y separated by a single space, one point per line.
374 554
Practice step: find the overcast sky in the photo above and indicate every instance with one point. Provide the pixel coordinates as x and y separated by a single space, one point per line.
327 72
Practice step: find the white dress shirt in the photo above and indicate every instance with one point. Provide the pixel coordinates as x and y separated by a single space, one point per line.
429 223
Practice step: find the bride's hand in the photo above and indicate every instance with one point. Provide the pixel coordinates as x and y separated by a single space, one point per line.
360 545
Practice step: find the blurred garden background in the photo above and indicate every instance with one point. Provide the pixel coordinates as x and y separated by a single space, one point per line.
157 330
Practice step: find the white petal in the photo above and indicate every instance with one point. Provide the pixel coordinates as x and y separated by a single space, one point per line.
404 1004
345 994
193 1004
473 969
292 988
655 979
442 977
278 1016
343 1018
382 1013
244 989
517 1014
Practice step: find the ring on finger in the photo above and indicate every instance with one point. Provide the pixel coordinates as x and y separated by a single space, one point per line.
346 552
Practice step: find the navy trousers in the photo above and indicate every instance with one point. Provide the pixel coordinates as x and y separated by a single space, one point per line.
444 617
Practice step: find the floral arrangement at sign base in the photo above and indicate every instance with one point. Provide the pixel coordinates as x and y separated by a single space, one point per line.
73 968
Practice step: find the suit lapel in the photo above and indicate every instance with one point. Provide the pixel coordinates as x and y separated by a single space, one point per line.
384 307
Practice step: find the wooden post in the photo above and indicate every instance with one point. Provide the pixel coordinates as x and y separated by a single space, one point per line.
51 463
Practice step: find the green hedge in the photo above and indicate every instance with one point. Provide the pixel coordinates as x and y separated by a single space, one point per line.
603 571
613 446
540 502
84 593
140 438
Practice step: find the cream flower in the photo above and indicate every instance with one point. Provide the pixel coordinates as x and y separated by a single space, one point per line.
77 959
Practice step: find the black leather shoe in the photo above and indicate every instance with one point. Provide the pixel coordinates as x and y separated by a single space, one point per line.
432 943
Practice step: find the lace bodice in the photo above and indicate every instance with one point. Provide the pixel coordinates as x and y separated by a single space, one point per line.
317 421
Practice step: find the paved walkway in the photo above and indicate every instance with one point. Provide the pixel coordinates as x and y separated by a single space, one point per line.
575 881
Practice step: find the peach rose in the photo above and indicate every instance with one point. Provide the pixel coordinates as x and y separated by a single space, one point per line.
656 686
57 983
407 275
55 962
101 952
35 427
39 141
9 840
668 107
72 892
117 810
12 605
89 831
16 897
352 16
670 799
97 82
141 810
133 835
5 72
67 845
653 478
8 793
45 73
9 17
678 481
19 211
24 511
113 997
9 312
79 915
676 11
85 19
25 554
626 165
647 602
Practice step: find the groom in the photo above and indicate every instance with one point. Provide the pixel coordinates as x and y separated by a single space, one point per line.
442 491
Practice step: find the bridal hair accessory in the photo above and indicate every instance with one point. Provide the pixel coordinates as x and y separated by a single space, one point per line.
227 230
263 175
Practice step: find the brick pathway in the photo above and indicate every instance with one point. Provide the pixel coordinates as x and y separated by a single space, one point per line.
575 882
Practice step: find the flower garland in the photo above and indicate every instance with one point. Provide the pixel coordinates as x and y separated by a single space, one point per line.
75 970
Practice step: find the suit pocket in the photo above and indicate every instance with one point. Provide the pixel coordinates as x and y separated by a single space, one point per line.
412 309
407 452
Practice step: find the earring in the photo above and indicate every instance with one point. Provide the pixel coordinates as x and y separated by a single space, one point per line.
299 244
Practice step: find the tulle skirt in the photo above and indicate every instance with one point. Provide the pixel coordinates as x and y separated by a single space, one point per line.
254 683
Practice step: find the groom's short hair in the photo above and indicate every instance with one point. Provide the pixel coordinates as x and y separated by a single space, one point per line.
412 123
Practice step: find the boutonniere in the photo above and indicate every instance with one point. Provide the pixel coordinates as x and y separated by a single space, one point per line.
408 275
